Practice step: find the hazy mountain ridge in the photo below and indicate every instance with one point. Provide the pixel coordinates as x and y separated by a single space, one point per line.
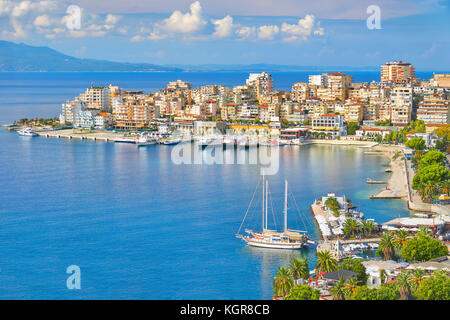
22 57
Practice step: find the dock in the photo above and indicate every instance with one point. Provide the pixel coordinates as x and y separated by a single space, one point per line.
370 181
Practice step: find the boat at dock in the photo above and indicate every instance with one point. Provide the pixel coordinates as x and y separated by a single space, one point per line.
28 132
286 239
171 141
370 181
146 140
126 140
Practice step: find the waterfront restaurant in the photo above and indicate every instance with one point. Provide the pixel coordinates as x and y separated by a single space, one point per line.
294 133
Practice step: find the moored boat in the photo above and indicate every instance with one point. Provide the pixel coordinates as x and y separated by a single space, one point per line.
28 132
286 239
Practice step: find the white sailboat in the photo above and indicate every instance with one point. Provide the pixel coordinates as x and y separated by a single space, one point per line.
286 239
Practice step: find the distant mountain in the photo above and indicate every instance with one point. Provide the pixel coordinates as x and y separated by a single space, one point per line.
269 68
22 57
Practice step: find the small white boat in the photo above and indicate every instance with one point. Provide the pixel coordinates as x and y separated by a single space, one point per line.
145 140
126 140
28 132
171 141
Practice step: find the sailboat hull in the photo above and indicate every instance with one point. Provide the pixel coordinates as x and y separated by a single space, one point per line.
273 245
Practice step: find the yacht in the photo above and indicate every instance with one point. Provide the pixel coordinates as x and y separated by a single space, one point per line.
27 132
286 239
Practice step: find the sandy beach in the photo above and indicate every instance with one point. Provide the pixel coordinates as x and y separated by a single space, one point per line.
396 187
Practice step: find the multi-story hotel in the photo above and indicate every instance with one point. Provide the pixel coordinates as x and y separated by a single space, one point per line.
329 123
262 82
401 105
434 111
397 72
339 84
133 112
97 98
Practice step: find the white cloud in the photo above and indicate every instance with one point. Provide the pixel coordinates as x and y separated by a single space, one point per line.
246 32
184 23
267 32
304 28
112 19
42 21
223 27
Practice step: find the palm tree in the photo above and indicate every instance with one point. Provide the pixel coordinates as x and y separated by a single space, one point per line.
400 239
325 262
351 227
371 226
338 289
299 269
282 282
387 246
352 283
403 281
417 276
365 227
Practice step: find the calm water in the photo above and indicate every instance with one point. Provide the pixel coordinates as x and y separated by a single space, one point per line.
141 227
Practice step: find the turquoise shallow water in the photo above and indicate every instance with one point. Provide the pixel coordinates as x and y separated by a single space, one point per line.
139 226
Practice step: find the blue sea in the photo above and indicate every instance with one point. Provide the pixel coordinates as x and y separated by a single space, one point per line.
140 226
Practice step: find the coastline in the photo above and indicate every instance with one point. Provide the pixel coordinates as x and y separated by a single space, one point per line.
399 184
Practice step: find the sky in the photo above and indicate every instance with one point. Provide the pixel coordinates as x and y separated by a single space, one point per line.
188 32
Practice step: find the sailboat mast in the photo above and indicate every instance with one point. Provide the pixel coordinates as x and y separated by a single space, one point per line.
267 198
285 205
262 206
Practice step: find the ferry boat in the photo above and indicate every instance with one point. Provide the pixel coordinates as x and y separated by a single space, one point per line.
286 239
28 132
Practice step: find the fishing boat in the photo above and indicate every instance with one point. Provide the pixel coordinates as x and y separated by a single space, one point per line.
370 181
286 239
28 132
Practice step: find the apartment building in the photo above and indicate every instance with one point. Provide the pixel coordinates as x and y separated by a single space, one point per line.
339 83
401 105
397 72
97 98
262 82
69 110
434 111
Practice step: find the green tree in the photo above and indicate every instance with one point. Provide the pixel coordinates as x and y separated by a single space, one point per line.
436 287
423 248
403 284
351 227
338 290
283 282
299 269
303 292
416 143
352 127
434 173
325 262
355 265
387 246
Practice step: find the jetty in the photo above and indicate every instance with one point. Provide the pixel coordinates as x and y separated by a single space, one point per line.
370 181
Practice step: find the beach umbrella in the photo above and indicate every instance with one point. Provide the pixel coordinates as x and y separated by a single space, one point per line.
410 267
